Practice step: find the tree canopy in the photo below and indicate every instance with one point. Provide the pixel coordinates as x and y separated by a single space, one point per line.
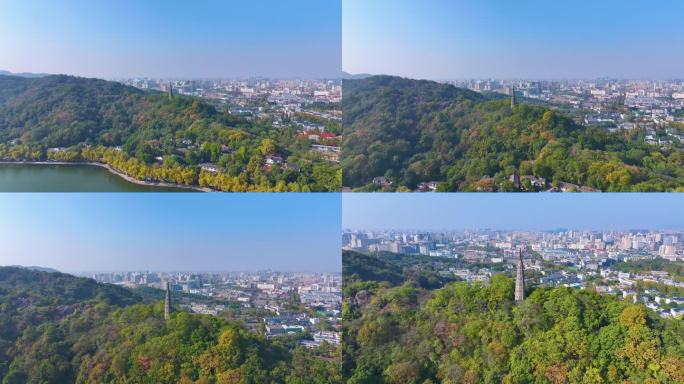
414 131
476 333
57 328
149 136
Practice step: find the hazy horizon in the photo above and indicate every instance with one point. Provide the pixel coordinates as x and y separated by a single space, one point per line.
35 74
437 230
513 211
171 231
521 78
170 271
443 40
165 39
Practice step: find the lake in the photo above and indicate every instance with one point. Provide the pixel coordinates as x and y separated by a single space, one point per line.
68 178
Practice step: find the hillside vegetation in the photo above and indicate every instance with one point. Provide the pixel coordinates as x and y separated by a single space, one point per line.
131 130
476 333
56 328
417 131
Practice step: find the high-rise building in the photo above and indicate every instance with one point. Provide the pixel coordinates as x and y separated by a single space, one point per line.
520 280
170 90
167 301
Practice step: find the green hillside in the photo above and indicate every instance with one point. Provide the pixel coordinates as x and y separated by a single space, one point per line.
360 267
129 129
57 328
415 131
475 333
394 269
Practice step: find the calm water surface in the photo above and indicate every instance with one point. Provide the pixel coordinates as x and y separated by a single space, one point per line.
68 178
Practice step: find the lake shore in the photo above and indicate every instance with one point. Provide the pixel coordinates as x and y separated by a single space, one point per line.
114 172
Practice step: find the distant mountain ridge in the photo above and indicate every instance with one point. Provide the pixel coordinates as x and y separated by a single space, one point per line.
36 268
351 76
23 74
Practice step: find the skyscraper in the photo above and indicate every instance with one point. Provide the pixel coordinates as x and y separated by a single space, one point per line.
520 279
170 90
167 301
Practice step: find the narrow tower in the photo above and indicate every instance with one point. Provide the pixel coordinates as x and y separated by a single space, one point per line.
512 98
170 90
520 280
167 301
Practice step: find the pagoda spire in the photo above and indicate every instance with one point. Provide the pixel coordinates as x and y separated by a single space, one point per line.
167 301
520 279
512 98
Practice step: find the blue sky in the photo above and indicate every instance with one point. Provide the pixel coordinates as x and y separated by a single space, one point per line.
172 38
447 39
169 231
543 211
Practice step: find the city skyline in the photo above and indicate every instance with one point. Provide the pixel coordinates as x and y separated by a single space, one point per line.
120 39
171 232
539 212
448 40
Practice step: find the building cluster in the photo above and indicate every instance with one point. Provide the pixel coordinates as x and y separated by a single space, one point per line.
310 106
552 258
306 303
654 106
281 91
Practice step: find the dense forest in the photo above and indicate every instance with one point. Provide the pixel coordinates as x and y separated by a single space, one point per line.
150 136
395 269
401 133
57 328
402 332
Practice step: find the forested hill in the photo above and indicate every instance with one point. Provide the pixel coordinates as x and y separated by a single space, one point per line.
60 111
150 136
476 333
63 110
415 131
57 328
357 266
28 289
394 269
